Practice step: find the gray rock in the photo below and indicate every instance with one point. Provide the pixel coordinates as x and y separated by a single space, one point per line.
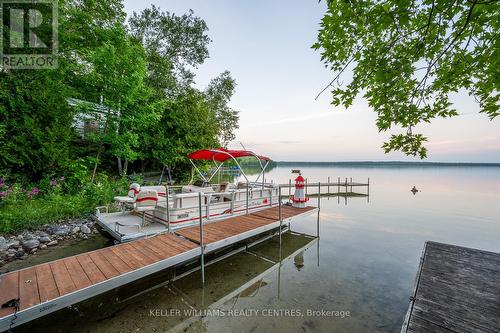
75 230
3 243
11 251
11 255
19 254
20 237
43 234
54 242
13 243
85 229
31 244
61 231
45 239
28 236
43 246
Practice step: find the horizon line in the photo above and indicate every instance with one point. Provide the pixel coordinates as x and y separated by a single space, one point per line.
422 163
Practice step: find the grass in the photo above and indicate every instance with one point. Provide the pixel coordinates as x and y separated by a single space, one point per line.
21 211
36 212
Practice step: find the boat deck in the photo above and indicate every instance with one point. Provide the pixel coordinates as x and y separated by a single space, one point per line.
48 287
457 290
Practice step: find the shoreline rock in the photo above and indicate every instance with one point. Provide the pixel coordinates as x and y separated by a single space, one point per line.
20 246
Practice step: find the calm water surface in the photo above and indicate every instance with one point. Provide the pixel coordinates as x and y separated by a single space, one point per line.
364 264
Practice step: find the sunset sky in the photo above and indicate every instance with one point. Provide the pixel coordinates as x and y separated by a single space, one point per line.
266 45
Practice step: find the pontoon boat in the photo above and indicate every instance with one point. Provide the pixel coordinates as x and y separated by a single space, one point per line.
149 210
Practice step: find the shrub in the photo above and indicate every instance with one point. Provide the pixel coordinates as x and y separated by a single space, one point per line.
52 200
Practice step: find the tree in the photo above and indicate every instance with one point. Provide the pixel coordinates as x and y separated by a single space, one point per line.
35 123
173 45
187 124
191 119
408 56
218 93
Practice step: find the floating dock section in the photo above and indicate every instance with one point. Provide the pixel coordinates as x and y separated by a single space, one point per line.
457 290
36 291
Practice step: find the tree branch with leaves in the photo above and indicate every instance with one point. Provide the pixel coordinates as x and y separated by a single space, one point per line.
406 57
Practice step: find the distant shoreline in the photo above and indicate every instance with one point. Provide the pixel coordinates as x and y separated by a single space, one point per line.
388 164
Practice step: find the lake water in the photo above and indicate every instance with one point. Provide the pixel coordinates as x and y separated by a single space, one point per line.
362 269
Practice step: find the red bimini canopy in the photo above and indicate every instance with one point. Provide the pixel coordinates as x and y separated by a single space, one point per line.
222 155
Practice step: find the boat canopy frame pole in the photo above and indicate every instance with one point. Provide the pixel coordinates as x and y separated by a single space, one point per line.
198 170
263 169
232 157
217 168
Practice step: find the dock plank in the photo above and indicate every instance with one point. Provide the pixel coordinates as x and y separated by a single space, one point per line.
93 272
105 266
159 247
9 285
47 287
62 277
127 257
76 272
28 288
147 252
458 290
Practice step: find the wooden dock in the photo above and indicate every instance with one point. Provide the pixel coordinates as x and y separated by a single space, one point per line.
457 290
45 288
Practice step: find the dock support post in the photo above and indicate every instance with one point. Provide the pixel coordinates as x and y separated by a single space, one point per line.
279 211
306 186
289 187
338 185
201 244
328 185
319 208
248 185
168 211
368 191
233 199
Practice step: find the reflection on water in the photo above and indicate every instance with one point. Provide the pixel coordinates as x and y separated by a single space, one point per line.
361 271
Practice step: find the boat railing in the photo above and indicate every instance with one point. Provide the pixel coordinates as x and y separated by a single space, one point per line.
205 205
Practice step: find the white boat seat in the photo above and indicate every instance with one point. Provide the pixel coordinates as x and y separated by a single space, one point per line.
161 190
133 190
146 201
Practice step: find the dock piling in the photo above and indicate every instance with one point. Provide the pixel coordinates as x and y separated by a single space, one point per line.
319 208
202 254
168 210
279 211
247 198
